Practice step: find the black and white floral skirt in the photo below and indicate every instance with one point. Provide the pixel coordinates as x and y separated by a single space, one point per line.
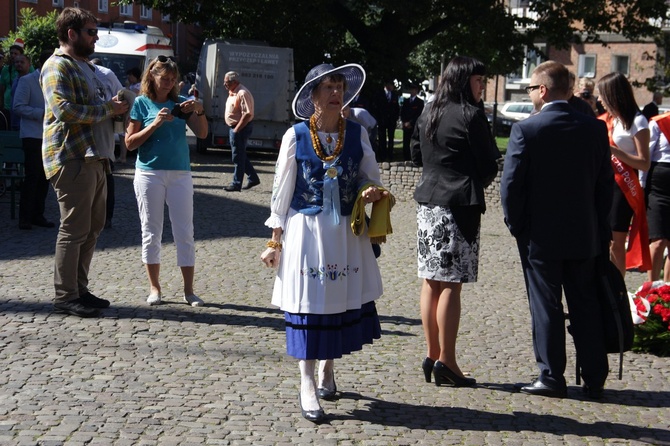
448 243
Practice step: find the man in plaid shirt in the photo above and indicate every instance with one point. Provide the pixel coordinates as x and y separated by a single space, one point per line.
72 163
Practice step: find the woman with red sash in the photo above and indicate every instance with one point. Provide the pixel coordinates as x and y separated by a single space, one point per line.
629 143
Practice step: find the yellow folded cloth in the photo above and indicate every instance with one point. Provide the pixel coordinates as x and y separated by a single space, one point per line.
380 218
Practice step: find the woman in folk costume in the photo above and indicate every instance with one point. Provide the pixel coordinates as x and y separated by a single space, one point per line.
328 279
629 143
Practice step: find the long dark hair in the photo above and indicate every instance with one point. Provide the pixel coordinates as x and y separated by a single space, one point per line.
454 87
617 94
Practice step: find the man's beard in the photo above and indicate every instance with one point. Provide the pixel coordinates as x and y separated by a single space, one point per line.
82 50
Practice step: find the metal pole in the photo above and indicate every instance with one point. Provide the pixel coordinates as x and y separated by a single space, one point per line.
495 108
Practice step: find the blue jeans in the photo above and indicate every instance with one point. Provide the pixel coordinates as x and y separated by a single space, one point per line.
238 147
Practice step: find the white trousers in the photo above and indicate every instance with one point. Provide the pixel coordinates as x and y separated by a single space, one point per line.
153 189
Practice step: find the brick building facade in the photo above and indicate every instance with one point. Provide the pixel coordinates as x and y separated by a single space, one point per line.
591 61
186 40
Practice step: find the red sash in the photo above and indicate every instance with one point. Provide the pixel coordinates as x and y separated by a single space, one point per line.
663 124
637 254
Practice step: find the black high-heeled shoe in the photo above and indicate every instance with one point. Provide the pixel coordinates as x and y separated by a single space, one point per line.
444 375
427 366
326 394
315 416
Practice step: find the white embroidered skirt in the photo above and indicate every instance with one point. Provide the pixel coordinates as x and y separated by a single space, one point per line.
324 268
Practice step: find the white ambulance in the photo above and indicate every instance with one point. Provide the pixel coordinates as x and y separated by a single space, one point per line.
129 45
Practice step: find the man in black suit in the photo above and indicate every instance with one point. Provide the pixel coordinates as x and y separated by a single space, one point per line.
409 112
556 192
387 109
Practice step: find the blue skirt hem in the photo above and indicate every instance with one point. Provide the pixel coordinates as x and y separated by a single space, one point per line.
330 336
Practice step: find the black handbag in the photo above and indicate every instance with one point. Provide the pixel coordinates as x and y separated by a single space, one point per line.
616 316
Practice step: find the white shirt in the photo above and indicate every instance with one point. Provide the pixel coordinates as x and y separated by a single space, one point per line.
363 117
659 148
624 138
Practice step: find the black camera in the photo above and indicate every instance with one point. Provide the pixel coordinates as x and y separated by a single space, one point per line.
177 113
585 94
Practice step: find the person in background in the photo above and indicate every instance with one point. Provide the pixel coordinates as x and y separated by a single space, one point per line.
656 183
409 112
629 144
157 129
556 191
185 85
454 145
587 92
8 75
29 108
651 109
72 161
22 67
103 132
133 75
327 277
239 117
576 102
386 111
365 119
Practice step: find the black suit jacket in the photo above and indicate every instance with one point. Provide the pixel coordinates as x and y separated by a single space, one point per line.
460 163
410 111
557 183
387 111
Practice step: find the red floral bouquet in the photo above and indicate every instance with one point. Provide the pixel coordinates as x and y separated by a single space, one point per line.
651 315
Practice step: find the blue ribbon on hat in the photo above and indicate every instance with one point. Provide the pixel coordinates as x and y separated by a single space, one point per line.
331 192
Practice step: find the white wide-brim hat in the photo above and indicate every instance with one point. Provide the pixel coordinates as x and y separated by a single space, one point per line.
303 107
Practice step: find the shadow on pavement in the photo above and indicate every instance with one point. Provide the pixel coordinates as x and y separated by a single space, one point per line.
176 311
467 420
217 214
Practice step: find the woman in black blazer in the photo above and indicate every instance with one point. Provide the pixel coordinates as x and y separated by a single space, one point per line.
453 143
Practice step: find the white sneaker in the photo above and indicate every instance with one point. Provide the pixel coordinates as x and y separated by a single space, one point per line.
194 300
154 299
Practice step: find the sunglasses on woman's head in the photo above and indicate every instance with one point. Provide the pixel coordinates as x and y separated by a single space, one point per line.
165 59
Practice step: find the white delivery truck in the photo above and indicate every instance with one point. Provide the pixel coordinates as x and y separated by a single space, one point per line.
266 71
124 46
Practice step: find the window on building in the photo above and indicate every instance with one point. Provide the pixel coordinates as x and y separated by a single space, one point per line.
126 10
621 63
165 17
57 3
103 5
145 13
531 61
587 65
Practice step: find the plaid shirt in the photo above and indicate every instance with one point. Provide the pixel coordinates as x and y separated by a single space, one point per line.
69 113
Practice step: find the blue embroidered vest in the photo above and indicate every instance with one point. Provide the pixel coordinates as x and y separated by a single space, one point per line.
308 194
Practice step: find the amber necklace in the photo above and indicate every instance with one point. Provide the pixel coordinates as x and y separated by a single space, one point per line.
318 148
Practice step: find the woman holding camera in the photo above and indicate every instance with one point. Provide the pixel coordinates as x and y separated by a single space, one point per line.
157 129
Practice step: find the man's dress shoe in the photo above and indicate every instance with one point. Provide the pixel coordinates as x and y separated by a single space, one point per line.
595 393
537 387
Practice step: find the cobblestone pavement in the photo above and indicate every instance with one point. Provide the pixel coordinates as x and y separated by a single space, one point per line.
177 375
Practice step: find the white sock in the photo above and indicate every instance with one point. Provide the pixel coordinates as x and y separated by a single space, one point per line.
327 374
308 386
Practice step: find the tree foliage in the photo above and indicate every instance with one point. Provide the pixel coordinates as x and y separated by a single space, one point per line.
408 40
38 33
